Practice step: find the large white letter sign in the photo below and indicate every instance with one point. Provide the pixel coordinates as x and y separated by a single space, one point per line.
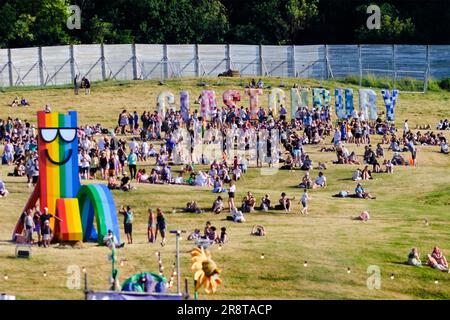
339 103
277 98
208 105
349 101
321 97
299 99
161 101
230 97
390 102
253 96
368 103
184 105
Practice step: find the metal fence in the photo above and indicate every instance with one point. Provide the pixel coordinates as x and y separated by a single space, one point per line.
47 66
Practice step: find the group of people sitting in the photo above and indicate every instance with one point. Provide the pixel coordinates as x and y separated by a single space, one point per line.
210 233
19 102
319 182
435 260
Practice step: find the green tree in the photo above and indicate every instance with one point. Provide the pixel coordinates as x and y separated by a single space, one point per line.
393 28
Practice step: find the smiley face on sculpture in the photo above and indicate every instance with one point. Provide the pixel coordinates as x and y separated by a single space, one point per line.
65 135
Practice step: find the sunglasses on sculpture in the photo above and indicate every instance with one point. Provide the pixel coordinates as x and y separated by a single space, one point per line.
66 134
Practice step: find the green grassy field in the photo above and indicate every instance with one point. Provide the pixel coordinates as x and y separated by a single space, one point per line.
328 238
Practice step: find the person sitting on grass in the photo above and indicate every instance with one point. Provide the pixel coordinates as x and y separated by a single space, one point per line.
258 230
437 260
352 159
389 167
364 216
398 160
223 238
306 181
414 258
265 203
218 186
236 215
360 193
366 174
3 191
444 146
194 235
217 206
112 184
284 203
248 203
109 240
125 182
357 175
321 181
379 151
193 207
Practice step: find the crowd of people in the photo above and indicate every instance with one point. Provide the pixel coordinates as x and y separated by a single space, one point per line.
173 139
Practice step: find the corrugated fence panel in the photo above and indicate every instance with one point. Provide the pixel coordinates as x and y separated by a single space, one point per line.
56 65
343 60
439 61
377 60
410 61
281 61
212 59
25 67
182 59
245 58
88 61
4 70
310 61
118 61
150 61
278 61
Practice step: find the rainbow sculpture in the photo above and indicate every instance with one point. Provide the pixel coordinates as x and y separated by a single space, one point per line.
58 187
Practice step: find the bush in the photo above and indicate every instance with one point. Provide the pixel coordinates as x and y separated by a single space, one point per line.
445 84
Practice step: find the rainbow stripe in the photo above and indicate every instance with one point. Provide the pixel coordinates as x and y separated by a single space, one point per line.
57 181
96 200
58 187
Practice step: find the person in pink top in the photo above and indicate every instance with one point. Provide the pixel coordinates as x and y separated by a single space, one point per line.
437 260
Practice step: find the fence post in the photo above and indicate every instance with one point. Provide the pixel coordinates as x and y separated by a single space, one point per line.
196 61
10 68
228 57
134 61
72 62
427 72
261 60
327 70
166 61
394 65
102 61
293 62
360 65
41 67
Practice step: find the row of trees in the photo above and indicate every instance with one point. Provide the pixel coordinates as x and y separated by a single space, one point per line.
44 22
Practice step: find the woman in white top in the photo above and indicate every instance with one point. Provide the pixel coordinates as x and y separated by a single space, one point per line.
231 194
320 182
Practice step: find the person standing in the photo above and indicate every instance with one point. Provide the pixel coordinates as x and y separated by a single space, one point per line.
132 159
161 225
75 85
29 226
127 222
304 202
231 194
151 227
